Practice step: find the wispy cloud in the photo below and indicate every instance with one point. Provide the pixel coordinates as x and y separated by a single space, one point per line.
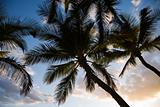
141 83
10 94
136 3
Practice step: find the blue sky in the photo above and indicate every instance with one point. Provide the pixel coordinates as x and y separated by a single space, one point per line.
42 95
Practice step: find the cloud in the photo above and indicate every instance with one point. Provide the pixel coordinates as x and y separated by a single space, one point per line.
10 94
97 94
141 87
136 2
140 83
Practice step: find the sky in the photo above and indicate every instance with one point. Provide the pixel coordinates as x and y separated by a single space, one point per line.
139 86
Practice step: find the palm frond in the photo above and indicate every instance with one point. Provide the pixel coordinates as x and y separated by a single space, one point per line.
128 21
28 27
47 53
74 12
129 29
9 37
89 83
17 24
48 10
18 74
12 32
65 87
131 60
149 44
100 52
115 54
50 33
108 56
126 38
44 8
157 47
67 3
148 20
111 6
52 10
57 71
85 6
108 6
102 70
88 25
12 41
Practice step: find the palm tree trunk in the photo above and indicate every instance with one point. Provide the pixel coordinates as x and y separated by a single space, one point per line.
156 71
103 85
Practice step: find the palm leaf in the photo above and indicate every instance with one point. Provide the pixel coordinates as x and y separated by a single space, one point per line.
96 47
148 20
57 71
65 87
48 10
110 6
74 12
19 74
50 33
85 6
12 32
52 10
150 44
90 84
47 53
12 42
44 8
100 53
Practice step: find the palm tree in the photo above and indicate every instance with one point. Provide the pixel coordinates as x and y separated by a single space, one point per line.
11 30
136 37
70 46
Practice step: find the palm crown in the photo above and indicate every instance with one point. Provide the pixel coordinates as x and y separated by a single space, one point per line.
136 37
72 45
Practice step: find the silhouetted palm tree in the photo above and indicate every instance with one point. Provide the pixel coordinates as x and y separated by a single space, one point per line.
138 36
71 44
11 30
